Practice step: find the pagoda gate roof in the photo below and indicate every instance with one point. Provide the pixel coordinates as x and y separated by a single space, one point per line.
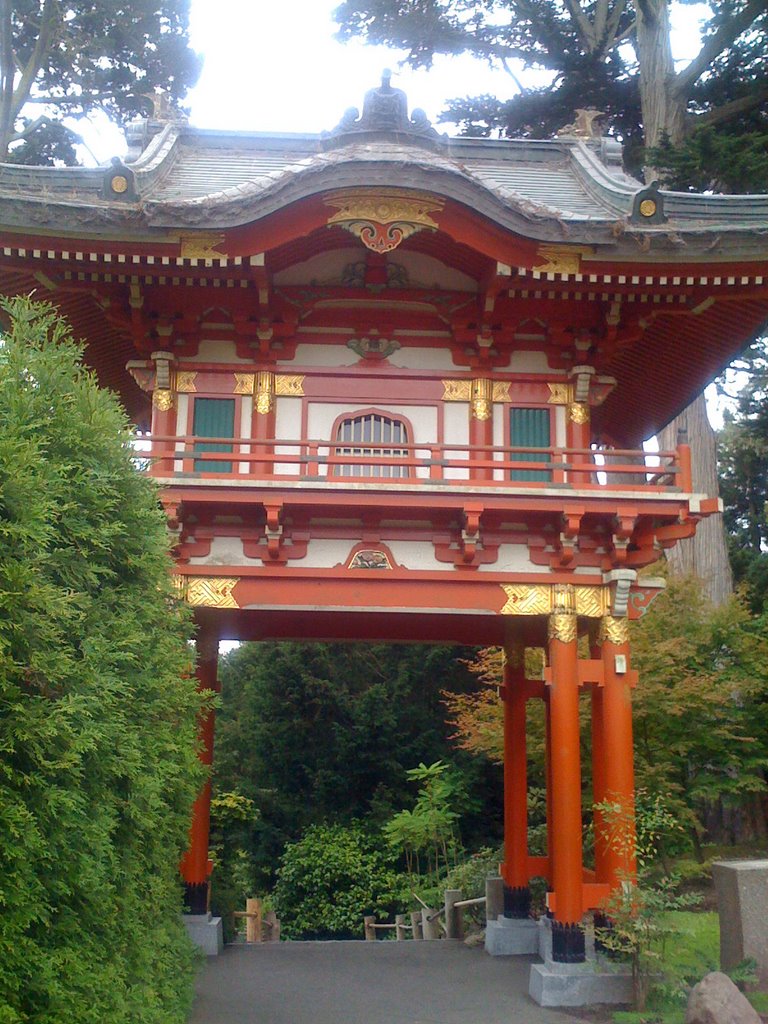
677 282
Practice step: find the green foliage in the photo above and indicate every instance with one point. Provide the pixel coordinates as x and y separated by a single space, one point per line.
97 731
330 879
430 828
84 56
316 732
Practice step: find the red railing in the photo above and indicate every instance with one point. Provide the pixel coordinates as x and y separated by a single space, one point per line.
175 457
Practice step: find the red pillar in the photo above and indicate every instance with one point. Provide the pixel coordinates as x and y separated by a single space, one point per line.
481 426
598 770
517 896
264 421
565 757
163 425
617 837
195 866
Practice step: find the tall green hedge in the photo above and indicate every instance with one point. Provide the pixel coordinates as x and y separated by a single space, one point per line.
97 710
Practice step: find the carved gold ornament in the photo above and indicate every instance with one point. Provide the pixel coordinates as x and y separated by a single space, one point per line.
264 386
202 245
563 628
207 591
463 390
578 412
370 559
560 259
527 599
382 219
613 630
482 399
119 184
648 207
185 381
590 602
163 399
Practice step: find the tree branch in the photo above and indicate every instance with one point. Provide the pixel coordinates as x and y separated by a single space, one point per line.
582 24
726 34
729 110
35 62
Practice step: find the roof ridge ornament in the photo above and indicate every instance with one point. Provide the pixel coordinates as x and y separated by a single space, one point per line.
385 109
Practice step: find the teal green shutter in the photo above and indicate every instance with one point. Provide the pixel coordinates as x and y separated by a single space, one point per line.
214 417
529 428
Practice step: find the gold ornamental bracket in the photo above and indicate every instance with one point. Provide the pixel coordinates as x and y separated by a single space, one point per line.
383 218
590 602
265 386
560 259
563 394
480 394
202 245
207 591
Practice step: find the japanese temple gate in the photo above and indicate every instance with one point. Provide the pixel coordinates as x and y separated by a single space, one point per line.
381 370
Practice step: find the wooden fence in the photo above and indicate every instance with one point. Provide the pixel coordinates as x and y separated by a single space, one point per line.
445 922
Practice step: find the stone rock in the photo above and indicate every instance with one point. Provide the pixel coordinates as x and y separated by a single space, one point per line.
716 1000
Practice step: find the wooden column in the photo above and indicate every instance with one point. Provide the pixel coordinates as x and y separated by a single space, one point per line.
517 895
616 838
264 421
598 766
565 758
163 411
195 865
481 425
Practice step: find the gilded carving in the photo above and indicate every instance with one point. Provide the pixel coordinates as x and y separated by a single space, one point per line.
560 394
244 383
264 392
202 245
560 259
185 380
527 599
370 559
563 599
592 602
501 391
578 412
482 399
207 591
383 218
613 630
289 385
163 399
562 627
457 390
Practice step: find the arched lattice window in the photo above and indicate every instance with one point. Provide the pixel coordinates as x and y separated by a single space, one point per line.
355 433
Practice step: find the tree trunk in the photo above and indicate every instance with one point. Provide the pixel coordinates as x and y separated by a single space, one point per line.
663 107
663 110
705 555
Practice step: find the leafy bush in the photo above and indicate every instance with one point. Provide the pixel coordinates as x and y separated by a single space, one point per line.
330 879
97 731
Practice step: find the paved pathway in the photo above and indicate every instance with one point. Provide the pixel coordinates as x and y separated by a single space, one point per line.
366 983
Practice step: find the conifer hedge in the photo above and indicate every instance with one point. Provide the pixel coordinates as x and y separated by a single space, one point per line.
97 713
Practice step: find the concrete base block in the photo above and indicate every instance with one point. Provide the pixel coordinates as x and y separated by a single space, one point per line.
553 984
511 936
742 898
206 932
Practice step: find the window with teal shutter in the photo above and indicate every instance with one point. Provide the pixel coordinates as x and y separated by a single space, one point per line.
530 428
214 417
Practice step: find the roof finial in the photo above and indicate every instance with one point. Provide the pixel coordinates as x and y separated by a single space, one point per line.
385 109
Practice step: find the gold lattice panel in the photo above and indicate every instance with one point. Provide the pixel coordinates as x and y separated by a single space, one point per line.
207 591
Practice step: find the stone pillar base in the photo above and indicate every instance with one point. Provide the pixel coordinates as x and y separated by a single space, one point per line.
552 984
511 936
205 932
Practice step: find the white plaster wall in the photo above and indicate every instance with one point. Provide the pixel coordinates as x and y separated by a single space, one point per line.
323 355
560 412
246 417
530 362
500 412
215 350
416 358
325 554
182 411
513 558
416 554
225 551
288 426
322 415
456 431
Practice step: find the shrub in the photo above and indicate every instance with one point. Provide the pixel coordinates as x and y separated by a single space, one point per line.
97 750
330 879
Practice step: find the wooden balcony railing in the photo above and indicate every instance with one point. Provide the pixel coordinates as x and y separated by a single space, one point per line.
177 458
